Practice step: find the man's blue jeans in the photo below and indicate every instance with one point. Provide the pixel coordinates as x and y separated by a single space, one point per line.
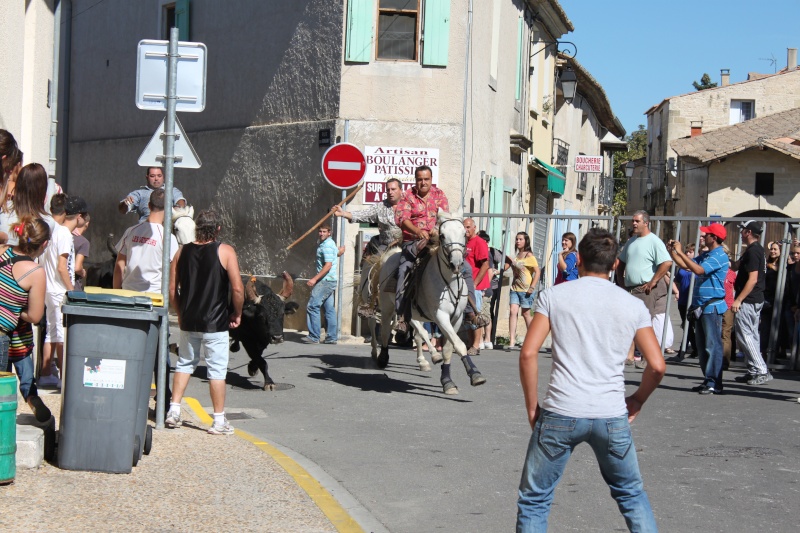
553 440
708 334
322 296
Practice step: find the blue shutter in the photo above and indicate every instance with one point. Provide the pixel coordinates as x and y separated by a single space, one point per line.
182 19
360 30
436 34
520 48
496 207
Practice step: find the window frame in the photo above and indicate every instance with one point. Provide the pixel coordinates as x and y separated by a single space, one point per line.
737 104
417 30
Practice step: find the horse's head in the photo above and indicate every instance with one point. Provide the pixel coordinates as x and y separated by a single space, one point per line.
452 238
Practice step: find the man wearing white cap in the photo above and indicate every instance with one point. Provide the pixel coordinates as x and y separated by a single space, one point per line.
749 287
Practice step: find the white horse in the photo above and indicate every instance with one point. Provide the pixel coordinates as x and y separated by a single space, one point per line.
441 297
183 225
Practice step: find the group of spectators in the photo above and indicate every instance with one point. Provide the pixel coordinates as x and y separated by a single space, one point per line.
42 253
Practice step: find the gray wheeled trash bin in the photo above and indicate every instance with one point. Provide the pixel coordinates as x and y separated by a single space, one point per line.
110 354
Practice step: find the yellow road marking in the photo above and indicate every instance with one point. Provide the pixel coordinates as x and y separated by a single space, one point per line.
338 516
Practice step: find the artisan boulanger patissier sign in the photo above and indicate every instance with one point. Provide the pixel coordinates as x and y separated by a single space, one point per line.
387 162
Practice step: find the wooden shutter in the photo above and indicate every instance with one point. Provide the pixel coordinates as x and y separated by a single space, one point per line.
436 33
182 19
360 30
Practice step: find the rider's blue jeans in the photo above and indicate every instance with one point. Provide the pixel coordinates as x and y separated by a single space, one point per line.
322 297
553 440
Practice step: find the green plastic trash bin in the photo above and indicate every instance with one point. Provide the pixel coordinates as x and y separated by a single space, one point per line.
8 427
110 353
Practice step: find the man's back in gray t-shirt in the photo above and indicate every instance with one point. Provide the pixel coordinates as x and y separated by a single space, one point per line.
593 323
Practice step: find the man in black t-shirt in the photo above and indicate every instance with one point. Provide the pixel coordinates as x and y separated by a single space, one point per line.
749 289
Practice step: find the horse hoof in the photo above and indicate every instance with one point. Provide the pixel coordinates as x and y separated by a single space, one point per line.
437 358
425 366
450 387
383 361
269 386
477 379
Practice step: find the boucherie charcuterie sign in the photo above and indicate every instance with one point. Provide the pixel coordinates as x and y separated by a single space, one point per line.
387 162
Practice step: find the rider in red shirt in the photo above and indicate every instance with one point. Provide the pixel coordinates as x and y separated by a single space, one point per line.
416 215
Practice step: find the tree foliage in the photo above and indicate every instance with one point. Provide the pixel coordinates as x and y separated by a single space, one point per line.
637 148
705 83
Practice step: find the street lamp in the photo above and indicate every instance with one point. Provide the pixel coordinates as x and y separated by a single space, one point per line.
569 84
629 169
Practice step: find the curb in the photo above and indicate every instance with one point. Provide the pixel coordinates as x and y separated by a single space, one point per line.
330 507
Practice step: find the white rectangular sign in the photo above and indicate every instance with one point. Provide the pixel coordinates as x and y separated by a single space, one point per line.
386 162
588 163
104 373
151 76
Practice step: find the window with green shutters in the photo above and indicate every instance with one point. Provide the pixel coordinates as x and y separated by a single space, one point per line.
396 37
175 15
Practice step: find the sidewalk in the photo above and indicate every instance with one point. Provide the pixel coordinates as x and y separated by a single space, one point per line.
191 481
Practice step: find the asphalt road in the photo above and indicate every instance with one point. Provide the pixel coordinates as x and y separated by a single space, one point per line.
421 461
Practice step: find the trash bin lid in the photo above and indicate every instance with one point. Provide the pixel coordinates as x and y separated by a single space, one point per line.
156 297
109 300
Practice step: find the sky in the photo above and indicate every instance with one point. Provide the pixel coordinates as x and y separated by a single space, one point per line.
642 51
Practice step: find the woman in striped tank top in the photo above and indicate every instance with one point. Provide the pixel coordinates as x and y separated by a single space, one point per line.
22 289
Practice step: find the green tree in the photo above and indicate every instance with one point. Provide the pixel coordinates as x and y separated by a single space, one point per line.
637 148
705 83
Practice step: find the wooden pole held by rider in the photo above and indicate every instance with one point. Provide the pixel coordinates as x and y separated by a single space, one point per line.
326 217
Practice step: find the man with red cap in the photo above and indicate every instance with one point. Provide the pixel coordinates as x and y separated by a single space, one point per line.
708 301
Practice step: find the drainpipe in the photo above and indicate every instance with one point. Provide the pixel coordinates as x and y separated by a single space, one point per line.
54 90
464 112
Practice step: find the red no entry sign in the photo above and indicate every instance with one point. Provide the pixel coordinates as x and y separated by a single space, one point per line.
343 165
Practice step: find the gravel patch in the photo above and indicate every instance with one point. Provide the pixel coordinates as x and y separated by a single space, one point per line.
191 481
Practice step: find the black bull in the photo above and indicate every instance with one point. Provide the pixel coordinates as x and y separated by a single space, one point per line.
262 323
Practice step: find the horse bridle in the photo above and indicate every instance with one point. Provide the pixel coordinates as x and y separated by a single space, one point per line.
448 250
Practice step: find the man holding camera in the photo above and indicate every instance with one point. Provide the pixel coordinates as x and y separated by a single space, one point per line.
708 302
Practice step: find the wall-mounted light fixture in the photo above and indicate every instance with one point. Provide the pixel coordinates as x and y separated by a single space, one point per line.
569 84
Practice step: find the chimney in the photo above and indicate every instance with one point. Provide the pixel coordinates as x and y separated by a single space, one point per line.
697 128
726 76
791 58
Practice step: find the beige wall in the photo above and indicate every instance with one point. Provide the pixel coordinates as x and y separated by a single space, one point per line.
732 184
27 44
576 124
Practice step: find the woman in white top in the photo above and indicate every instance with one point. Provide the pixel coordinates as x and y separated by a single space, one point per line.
28 201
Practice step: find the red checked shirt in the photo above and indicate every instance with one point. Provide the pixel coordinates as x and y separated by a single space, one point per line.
421 211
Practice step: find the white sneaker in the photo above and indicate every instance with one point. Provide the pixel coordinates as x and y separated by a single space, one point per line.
221 429
488 346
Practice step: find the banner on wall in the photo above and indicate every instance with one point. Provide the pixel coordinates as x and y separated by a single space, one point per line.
387 162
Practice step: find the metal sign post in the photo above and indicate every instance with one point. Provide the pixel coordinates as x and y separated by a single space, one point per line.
169 170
